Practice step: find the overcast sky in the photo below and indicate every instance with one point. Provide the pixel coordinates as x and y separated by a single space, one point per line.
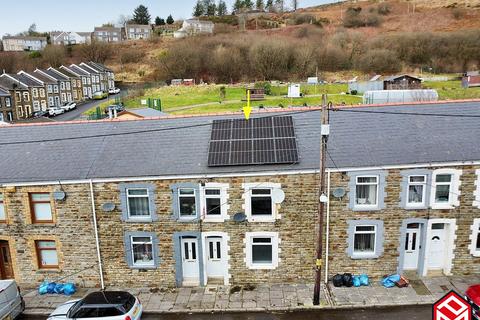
83 15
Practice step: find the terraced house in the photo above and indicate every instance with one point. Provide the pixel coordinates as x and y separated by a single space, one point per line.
93 74
85 77
20 94
101 75
51 84
75 82
6 106
63 83
217 199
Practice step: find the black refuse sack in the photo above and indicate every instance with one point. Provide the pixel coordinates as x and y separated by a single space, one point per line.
337 280
347 279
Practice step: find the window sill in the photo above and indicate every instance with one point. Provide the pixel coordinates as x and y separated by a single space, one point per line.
442 206
139 220
214 220
261 267
183 219
143 267
49 270
364 256
366 208
412 207
260 218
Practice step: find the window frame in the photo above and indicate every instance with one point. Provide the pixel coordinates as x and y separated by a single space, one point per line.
379 239
39 256
32 208
424 191
222 196
124 203
275 243
128 196
179 196
476 192
377 184
142 265
352 190
128 249
454 189
4 209
475 235
248 195
356 232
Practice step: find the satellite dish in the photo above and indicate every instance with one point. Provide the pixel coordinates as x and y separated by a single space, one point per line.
278 196
108 207
59 195
339 192
239 217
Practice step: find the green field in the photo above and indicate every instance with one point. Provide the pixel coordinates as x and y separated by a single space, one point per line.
452 90
206 99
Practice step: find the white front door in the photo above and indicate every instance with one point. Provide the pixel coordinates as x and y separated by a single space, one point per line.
437 251
412 246
190 265
215 260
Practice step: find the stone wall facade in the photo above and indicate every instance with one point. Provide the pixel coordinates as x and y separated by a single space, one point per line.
393 215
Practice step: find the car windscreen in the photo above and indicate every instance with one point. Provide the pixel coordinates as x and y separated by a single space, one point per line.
97 312
129 303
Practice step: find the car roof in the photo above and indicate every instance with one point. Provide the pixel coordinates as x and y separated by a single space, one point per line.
473 292
106 298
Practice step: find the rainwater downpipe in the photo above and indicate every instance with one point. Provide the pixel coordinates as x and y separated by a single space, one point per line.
94 213
327 243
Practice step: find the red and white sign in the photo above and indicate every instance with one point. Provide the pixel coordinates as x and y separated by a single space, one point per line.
452 307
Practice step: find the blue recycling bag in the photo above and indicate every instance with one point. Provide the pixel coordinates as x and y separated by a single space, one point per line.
364 280
59 288
356 281
43 288
51 287
69 289
389 281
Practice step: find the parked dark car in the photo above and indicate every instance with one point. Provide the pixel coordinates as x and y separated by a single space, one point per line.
39 114
473 297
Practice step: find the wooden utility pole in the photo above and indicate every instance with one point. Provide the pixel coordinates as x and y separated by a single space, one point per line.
322 200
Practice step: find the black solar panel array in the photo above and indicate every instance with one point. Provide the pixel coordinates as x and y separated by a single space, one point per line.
269 140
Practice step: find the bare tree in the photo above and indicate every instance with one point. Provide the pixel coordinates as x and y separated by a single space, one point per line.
96 51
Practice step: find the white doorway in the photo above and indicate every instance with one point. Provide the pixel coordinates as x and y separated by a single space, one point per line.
215 257
440 245
190 264
437 251
412 246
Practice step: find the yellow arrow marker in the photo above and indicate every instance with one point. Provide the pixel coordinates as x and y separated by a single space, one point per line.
247 109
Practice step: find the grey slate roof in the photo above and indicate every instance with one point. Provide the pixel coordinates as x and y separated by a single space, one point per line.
77 70
26 80
67 73
7 83
356 140
4 93
43 78
54 75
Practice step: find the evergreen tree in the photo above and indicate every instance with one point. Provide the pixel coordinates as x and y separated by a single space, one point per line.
199 9
157 21
221 8
162 21
269 5
238 6
170 19
211 7
248 4
141 15
260 5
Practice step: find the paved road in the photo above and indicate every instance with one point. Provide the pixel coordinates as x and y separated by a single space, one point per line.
75 114
394 313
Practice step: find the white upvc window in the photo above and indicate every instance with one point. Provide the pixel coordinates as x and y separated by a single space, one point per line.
138 203
187 203
8 103
262 250
142 251
35 92
476 193
214 202
55 88
475 244
67 84
417 188
366 192
3 216
364 240
259 203
49 88
62 85
42 93
445 188
26 96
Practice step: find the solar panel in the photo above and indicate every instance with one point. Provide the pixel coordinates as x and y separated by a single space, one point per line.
268 140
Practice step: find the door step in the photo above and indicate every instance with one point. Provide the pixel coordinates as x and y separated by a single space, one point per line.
191 282
435 273
215 280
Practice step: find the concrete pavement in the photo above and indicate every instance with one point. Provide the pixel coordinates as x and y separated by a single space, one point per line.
76 114
262 298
